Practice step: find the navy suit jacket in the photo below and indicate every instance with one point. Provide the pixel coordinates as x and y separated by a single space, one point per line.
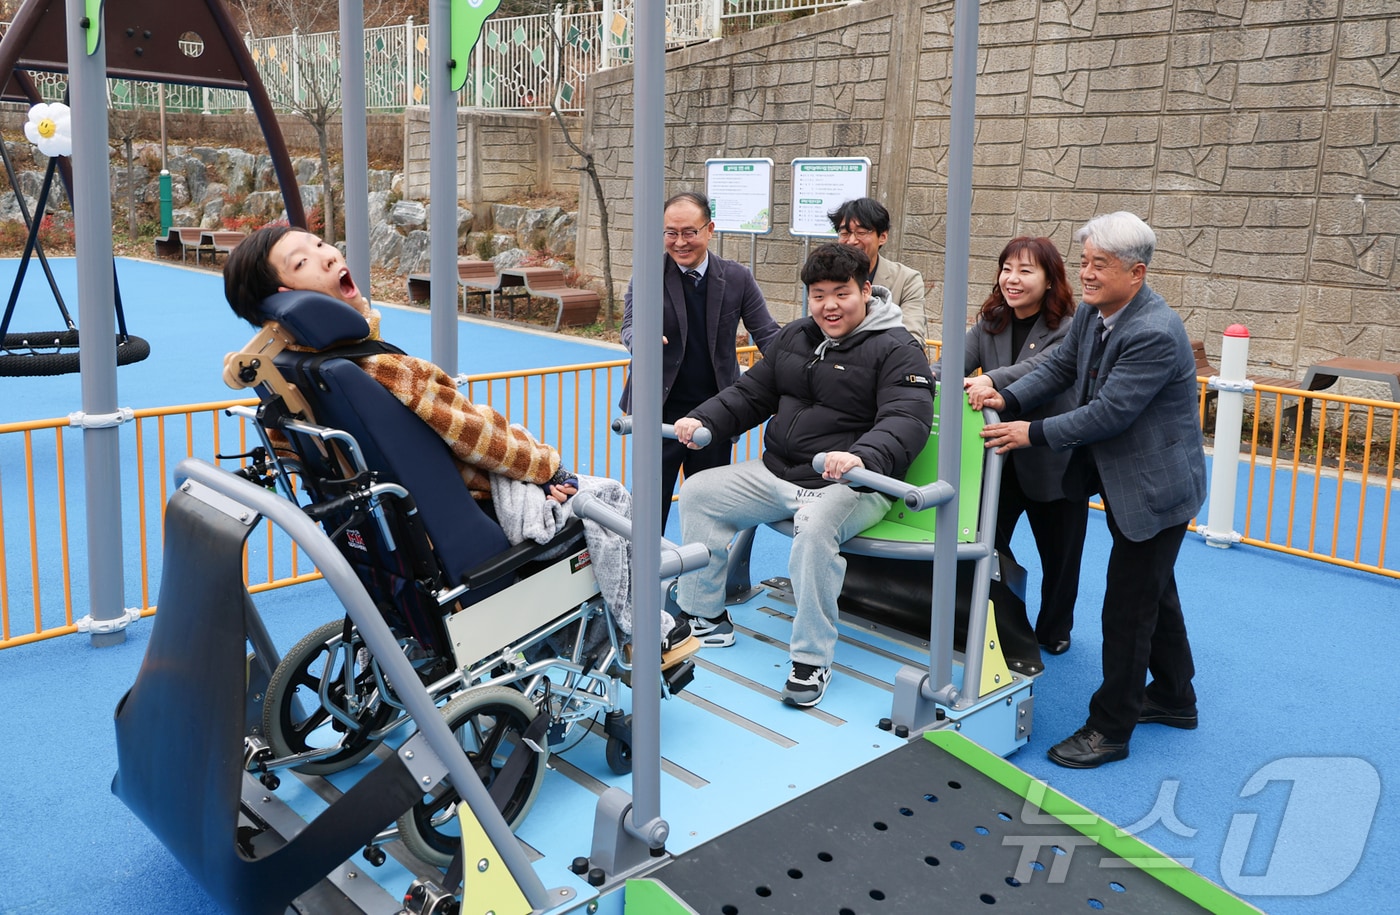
1143 429
732 295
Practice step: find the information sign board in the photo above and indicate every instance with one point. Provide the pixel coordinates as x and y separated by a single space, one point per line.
741 194
820 186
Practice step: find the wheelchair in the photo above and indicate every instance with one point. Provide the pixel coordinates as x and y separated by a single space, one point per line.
513 643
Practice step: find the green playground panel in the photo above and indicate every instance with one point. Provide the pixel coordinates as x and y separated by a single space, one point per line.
1127 846
902 523
652 896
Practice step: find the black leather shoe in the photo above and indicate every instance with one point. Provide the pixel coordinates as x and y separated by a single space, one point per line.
1059 646
1086 748
1185 719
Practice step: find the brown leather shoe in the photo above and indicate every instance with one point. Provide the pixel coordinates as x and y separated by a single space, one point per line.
1086 748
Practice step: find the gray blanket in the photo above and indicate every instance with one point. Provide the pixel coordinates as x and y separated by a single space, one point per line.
526 513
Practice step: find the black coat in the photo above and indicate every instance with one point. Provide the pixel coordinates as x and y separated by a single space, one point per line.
732 296
869 393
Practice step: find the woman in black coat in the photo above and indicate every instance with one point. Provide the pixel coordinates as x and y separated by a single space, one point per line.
1025 316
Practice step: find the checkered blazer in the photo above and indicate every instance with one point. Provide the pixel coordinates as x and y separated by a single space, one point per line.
1143 428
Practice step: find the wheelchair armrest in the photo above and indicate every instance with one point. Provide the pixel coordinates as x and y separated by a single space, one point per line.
513 559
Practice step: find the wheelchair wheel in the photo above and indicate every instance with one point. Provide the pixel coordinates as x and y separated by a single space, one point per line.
619 756
295 721
488 722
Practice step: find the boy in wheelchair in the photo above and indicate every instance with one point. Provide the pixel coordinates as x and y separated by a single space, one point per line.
488 449
508 636
279 258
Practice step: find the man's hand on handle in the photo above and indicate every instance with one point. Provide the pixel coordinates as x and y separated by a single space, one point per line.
838 462
686 427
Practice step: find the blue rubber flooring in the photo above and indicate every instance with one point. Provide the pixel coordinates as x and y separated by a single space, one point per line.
1279 795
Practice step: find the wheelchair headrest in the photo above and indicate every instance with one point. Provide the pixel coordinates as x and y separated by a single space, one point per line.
314 319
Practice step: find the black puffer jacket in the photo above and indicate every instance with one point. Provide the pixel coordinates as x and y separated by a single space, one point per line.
868 393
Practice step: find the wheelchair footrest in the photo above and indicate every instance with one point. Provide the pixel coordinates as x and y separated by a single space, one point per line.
678 678
674 678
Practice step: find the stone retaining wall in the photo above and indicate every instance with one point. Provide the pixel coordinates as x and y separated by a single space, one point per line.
501 155
1257 137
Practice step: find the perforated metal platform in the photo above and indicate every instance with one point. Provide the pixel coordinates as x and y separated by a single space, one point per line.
937 825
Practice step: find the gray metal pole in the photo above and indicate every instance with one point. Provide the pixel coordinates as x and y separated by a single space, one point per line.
649 144
442 186
354 142
959 226
92 212
381 642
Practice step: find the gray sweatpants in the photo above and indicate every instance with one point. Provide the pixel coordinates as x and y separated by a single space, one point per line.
717 503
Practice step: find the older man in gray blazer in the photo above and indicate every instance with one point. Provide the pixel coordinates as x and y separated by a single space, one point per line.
1136 439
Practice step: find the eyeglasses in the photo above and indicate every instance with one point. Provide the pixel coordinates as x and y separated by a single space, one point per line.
688 234
858 232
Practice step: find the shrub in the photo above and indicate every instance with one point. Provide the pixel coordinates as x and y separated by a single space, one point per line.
55 237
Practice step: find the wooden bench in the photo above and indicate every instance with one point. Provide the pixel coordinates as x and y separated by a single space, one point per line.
577 307
1205 370
1322 375
475 277
178 240
217 242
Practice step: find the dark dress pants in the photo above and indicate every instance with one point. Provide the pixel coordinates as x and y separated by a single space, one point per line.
1059 527
1143 632
674 456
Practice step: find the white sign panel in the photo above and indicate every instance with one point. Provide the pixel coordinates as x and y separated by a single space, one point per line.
820 186
741 194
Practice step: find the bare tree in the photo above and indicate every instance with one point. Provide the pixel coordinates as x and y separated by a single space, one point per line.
310 83
590 168
128 124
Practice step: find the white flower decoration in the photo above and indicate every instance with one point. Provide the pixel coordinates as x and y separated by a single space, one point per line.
50 127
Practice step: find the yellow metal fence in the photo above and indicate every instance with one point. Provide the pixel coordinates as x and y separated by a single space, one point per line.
1318 486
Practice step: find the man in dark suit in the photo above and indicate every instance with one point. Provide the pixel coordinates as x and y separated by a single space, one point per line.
1136 438
706 297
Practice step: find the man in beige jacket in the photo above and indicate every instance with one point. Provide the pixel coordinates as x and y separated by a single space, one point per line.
865 223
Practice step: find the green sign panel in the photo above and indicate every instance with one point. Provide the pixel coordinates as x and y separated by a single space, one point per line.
93 11
468 17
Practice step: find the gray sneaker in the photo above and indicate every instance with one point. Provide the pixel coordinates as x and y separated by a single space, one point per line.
806 685
712 633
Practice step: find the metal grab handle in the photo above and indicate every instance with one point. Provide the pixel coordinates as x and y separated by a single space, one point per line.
702 436
675 559
917 498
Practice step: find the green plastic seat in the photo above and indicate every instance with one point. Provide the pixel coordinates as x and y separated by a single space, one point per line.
905 525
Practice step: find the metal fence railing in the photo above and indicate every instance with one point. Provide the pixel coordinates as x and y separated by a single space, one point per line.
42 540
520 62
1321 487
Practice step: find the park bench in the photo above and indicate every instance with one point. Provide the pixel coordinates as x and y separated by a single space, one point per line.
476 277
577 307
217 242
178 240
1204 369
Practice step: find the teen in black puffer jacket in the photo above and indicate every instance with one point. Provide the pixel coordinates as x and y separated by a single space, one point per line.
868 393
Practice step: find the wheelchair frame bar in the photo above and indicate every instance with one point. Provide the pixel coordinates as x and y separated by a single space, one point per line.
381 642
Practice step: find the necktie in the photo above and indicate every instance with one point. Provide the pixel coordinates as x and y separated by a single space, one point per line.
694 276
1100 334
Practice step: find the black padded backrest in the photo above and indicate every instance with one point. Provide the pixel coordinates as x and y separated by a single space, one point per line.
403 449
395 443
314 319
